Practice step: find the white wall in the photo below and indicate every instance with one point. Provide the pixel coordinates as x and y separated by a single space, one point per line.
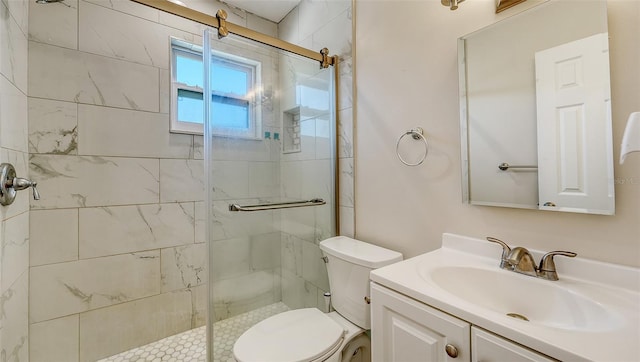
407 77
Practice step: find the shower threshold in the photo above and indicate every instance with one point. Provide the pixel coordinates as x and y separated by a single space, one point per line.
191 345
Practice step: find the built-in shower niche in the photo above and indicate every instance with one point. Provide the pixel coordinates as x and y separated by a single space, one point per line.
291 136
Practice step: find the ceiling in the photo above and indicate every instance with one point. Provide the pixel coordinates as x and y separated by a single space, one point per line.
268 9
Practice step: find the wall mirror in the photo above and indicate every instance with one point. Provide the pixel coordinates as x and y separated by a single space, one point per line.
535 110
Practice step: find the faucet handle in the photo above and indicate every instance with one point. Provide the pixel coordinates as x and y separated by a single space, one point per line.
547 267
505 251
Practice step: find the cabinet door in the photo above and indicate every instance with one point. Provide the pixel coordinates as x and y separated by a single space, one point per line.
405 330
488 347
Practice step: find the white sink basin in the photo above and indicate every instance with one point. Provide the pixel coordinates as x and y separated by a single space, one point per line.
539 301
592 310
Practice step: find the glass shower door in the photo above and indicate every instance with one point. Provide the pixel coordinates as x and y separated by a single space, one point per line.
269 141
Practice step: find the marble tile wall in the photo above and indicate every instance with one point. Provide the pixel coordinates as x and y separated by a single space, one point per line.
14 219
315 24
118 253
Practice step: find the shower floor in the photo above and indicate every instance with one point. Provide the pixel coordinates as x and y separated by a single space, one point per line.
191 345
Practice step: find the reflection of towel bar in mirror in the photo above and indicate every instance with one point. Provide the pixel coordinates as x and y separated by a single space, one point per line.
505 166
277 205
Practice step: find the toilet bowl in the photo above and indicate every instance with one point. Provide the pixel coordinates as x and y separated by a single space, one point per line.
309 335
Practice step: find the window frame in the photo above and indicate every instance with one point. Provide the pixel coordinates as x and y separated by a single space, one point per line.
253 98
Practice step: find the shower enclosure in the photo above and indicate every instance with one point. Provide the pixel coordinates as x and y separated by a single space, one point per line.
115 255
270 191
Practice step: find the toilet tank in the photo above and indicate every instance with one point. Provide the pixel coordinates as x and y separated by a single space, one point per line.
349 263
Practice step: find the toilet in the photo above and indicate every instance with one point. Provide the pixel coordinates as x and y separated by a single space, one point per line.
309 335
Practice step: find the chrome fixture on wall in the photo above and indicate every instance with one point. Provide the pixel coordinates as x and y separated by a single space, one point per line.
48 1
10 185
452 4
417 134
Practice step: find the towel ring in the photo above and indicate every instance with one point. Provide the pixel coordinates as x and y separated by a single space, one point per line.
417 134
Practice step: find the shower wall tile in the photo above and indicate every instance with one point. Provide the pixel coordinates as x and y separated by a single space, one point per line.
53 236
53 127
347 221
181 23
165 91
118 328
104 131
230 180
19 9
230 149
55 24
183 267
67 75
198 147
62 289
228 224
55 340
325 221
265 251
345 84
199 296
299 222
335 34
21 203
14 50
74 181
310 295
291 179
314 270
346 182
13 117
238 295
129 7
14 240
200 221
264 179
324 134
288 29
314 14
181 180
291 254
345 133
137 40
315 97
293 290
14 324
231 258
262 25
316 179
124 229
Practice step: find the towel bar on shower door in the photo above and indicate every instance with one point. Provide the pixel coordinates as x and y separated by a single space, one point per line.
277 205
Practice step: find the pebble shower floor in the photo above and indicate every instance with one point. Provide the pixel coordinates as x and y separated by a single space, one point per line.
191 345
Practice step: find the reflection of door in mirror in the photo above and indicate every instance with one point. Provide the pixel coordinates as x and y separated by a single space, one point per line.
573 102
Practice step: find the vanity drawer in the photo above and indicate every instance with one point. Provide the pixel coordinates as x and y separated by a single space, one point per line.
487 347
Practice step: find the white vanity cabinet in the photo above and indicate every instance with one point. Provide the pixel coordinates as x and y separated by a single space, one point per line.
405 330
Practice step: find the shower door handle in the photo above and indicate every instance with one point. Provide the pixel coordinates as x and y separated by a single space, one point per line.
277 205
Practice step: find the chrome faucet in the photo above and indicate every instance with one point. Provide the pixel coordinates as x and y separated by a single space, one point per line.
521 261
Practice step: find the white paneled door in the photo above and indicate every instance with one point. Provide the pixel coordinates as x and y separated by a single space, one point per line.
573 98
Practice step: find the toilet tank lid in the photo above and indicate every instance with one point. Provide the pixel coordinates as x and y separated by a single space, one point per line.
359 252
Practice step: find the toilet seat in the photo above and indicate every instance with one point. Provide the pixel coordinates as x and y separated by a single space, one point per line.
293 336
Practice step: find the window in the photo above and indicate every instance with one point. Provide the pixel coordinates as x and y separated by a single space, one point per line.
235 93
